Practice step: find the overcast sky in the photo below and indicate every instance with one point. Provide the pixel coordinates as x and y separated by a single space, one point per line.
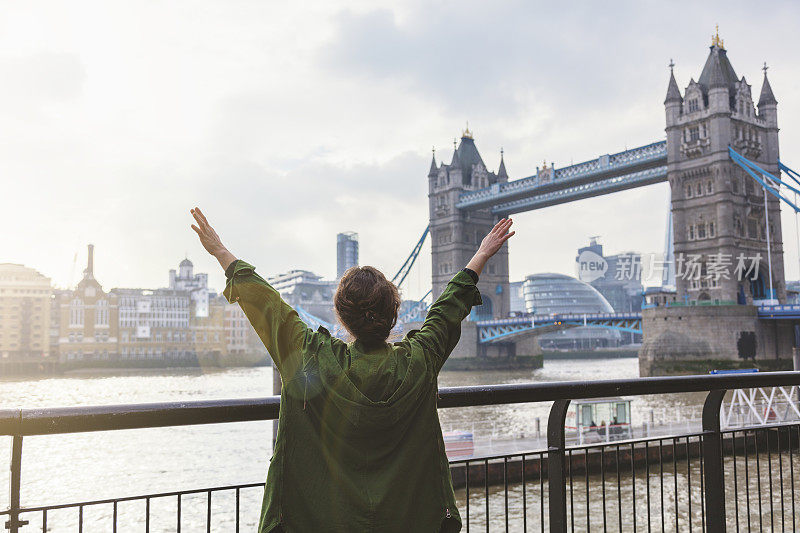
288 122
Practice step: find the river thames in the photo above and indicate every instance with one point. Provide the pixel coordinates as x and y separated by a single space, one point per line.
72 468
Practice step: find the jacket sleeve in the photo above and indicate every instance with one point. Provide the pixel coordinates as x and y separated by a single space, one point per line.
441 330
277 324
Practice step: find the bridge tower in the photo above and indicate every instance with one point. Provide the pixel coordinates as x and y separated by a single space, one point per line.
456 233
717 209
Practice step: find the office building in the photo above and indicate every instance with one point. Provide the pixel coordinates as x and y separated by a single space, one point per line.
346 252
24 313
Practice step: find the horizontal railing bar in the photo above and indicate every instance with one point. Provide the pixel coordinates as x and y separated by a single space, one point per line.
135 498
48 421
482 458
52 421
575 390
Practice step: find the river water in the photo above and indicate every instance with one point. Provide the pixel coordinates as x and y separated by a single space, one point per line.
71 468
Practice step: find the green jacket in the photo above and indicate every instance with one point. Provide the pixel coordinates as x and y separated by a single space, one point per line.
359 446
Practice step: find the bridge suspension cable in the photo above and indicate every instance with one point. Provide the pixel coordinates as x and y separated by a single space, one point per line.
772 184
406 268
767 181
794 175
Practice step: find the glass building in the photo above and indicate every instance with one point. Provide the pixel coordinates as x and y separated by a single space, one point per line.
551 293
621 285
346 252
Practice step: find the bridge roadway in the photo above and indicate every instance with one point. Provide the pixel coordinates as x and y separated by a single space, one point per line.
632 168
503 329
500 330
779 312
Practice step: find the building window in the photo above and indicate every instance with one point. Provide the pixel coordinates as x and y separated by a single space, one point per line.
711 230
691 232
701 231
709 187
76 313
101 313
693 105
699 189
688 191
694 133
752 229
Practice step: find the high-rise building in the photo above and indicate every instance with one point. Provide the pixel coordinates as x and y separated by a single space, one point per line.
24 312
346 252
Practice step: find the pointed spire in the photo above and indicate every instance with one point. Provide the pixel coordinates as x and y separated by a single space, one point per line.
718 71
501 172
434 169
456 162
766 97
673 93
716 78
716 40
466 133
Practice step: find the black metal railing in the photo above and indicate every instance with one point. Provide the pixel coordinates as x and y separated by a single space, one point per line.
713 479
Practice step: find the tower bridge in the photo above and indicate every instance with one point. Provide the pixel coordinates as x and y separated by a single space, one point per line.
717 210
720 158
551 186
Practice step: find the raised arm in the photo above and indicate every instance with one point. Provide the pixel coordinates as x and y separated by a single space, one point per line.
276 322
442 327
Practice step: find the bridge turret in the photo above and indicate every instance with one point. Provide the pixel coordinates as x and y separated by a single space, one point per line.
767 104
456 234
434 171
717 209
674 100
502 175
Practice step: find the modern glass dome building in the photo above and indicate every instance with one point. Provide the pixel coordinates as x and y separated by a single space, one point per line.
550 293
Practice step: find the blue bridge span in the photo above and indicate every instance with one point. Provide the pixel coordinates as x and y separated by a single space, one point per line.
503 329
606 174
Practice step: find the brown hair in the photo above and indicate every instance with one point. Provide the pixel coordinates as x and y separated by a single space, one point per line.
366 304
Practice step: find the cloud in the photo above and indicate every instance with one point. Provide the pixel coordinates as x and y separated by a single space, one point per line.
119 121
37 82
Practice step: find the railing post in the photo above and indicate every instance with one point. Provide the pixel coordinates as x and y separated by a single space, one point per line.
713 472
556 478
14 523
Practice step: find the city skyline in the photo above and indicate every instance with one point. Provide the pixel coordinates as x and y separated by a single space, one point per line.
285 142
